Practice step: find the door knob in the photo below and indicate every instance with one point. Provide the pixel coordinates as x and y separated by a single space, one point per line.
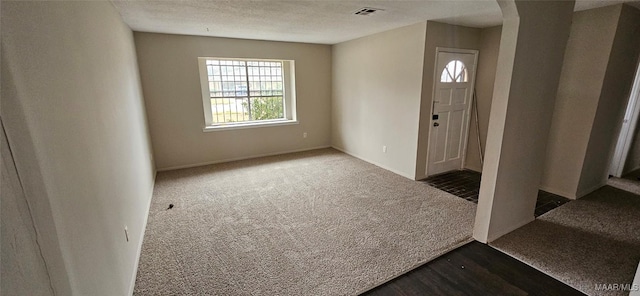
436 124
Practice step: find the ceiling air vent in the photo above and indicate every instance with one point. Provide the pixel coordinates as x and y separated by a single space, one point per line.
366 11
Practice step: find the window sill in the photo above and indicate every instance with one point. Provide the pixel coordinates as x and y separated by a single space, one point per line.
215 128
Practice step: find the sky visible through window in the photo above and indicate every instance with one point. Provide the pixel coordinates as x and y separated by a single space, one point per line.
455 71
245 90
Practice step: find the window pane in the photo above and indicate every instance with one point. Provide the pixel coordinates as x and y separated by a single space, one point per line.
245 90
455 71
265 108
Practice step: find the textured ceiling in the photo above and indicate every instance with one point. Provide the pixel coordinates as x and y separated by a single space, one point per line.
319 21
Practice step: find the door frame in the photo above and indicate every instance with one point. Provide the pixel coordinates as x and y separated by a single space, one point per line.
627 130
436 75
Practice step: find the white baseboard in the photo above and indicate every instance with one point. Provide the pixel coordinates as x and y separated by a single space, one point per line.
571 195
584 192
474 168
144 228
556 191
421 177
186 166
374 163
629 171
495 236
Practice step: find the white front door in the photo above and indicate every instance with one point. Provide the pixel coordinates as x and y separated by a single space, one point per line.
453 85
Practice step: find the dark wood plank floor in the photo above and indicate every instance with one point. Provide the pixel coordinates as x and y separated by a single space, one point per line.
474 269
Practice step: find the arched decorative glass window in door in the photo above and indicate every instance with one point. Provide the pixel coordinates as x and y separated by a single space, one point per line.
455 71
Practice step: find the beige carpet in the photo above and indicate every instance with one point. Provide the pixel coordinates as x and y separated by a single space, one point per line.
632 186
312 223
591 241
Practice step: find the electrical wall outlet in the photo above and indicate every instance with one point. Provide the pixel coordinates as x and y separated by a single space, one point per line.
304 135
384 149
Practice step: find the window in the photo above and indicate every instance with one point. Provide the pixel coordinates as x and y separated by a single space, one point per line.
455 71
244 93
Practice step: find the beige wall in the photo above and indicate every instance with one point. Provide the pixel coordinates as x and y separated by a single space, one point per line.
363 91
76 124
616 88
169 74
485 78
376 97
583 71
437 35
597 75
24 271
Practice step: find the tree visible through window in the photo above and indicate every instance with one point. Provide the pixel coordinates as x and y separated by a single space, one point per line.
245 90
455 71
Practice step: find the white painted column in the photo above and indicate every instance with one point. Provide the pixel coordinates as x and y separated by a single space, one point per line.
534 36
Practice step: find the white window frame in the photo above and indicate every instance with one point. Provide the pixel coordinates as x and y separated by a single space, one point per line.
462 76
289 97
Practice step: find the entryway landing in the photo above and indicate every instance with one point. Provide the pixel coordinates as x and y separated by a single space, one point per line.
466 184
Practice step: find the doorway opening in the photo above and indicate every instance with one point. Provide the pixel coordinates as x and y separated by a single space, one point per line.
454 81
453 102
625 164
